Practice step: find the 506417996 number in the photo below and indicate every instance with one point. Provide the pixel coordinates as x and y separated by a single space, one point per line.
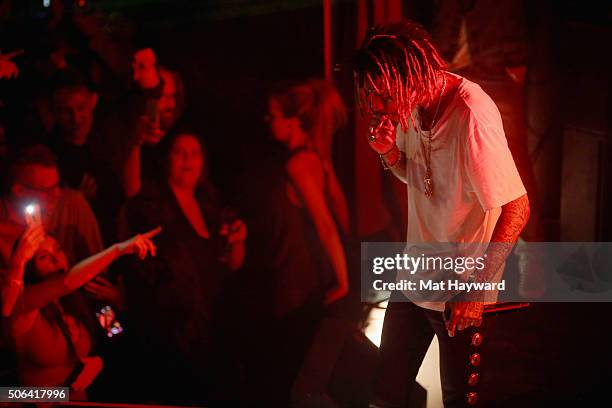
34 394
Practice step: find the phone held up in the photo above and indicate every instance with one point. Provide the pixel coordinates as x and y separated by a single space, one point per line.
32 215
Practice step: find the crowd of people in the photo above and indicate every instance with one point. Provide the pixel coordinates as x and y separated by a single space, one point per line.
127 275
119 258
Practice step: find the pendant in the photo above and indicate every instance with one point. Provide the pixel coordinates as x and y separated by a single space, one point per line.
428 184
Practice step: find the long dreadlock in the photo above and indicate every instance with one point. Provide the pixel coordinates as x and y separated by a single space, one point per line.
397 60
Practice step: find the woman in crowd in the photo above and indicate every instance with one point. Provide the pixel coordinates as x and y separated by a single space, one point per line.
305 219
50 325
174 299
304 117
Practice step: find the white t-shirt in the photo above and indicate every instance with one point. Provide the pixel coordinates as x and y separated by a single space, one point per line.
473 175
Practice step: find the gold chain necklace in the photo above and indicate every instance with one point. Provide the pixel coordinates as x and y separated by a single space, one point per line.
427 178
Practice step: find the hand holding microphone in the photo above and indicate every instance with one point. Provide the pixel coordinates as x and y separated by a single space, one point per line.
381 134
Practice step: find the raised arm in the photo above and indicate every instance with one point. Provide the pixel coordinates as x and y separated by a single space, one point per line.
131 172
89 268
382 136
12 285
146 125
36 296
395 161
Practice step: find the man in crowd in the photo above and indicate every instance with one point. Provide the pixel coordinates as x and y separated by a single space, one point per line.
34 179
78 141
155 109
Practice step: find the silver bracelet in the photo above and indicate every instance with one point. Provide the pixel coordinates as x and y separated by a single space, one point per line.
384 163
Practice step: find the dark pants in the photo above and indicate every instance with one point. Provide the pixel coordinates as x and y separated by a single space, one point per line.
407 333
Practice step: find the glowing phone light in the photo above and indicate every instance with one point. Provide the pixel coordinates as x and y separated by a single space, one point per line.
29 209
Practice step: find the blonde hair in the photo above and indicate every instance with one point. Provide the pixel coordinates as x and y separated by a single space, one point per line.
319 108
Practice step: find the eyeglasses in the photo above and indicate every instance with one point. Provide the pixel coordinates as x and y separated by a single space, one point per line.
51 190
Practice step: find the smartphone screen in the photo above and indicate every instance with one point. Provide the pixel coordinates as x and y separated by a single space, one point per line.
39 9
108 321
32 215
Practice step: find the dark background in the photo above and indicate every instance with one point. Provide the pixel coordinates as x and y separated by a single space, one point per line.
230 52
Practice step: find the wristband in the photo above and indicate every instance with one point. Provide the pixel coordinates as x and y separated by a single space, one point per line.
384 163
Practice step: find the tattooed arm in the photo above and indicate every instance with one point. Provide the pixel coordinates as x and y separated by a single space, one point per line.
513 218
468 310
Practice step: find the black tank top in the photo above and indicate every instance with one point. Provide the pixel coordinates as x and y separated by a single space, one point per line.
303 272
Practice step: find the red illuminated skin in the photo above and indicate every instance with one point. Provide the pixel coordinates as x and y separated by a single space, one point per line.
48 258
149 131
307 176
185 164
43 359
144 69
73 112
513 218
40 184
8 69
36 183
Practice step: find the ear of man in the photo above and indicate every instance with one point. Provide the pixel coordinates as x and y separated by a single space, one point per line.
94 100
